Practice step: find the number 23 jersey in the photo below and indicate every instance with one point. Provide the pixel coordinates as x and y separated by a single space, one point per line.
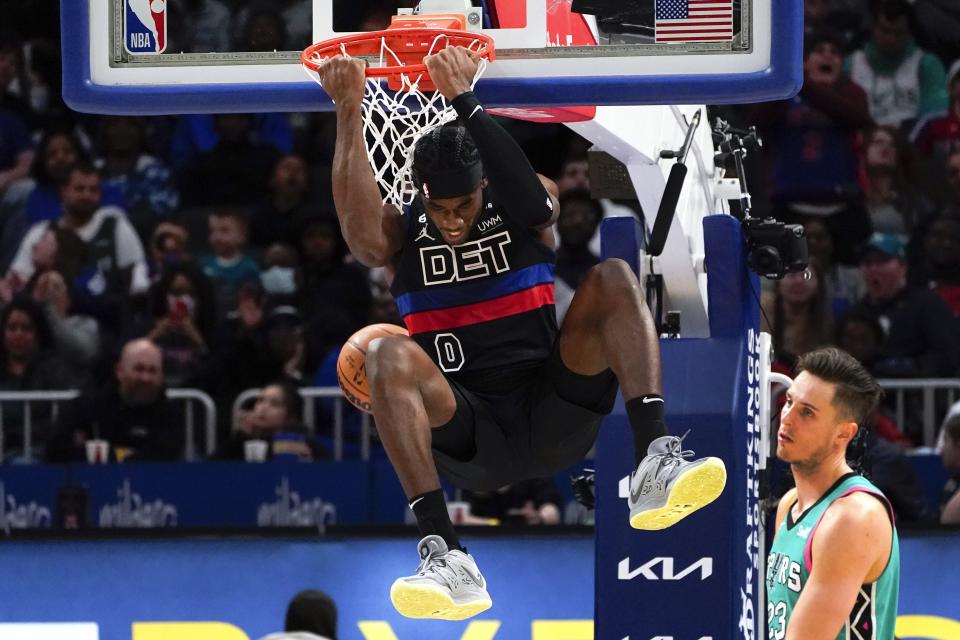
481 308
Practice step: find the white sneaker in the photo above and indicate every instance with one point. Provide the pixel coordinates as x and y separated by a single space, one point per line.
666 488
447 585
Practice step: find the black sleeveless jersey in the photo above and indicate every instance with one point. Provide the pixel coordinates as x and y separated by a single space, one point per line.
483 310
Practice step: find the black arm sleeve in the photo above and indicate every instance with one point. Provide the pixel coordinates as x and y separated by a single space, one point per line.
507 168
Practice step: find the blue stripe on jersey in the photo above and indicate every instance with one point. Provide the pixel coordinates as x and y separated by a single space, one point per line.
462 293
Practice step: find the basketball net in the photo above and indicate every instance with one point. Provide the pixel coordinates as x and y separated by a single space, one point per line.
396 114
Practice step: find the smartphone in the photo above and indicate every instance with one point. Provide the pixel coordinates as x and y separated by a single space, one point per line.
178 310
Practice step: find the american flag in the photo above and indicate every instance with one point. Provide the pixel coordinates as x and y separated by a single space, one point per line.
694 20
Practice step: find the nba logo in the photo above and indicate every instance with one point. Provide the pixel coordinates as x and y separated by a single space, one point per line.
145 26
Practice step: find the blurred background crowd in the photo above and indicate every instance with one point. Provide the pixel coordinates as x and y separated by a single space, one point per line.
139 254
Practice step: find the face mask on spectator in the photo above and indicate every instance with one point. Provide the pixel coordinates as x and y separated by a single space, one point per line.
277 280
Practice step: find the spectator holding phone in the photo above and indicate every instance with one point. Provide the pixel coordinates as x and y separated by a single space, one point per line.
184 315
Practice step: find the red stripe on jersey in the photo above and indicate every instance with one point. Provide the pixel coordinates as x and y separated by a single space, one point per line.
469 314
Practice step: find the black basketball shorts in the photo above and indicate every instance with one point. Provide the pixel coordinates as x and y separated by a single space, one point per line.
548 423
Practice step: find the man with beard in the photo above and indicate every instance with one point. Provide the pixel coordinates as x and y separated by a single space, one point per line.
580 217
132 413
109 260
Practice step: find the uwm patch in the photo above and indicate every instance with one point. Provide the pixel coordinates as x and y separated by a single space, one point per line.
145 26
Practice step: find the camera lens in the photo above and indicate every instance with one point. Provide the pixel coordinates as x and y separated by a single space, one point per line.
766 260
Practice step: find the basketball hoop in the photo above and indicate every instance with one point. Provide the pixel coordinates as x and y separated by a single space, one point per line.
398 112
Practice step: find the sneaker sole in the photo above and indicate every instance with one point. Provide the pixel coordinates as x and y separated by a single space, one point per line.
425 602
695 489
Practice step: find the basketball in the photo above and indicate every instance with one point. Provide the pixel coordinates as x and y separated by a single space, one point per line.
351 373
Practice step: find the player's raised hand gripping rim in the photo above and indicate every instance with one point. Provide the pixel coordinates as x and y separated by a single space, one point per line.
371 229
452 70
344 80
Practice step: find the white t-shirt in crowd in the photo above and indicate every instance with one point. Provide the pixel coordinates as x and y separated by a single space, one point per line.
128 246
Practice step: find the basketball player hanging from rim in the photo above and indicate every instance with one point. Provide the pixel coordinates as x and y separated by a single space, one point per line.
486 389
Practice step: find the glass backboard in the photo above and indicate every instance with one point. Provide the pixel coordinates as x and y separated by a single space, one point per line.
193 56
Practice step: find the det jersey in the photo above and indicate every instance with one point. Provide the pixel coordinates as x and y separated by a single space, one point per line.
483 310
873 617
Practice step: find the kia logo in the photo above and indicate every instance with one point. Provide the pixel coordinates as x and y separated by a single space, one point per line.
663 569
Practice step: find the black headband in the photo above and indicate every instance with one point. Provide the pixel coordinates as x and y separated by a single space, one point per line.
450 184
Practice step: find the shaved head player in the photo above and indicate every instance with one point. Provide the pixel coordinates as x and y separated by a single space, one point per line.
487 389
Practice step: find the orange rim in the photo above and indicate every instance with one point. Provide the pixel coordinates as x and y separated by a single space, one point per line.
369 44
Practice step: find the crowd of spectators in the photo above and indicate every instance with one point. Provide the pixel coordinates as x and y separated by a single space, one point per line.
139 254
866 157
863 157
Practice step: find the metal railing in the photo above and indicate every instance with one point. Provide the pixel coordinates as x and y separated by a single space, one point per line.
54 398
928 389
310 395
210 421
899 388
27 398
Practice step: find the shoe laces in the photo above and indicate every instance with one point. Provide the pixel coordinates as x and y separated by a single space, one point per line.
676 453
436 562
433 557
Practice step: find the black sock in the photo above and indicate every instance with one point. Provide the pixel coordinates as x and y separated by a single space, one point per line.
433 517
646 421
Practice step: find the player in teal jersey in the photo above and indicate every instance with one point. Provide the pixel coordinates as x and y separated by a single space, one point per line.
834 567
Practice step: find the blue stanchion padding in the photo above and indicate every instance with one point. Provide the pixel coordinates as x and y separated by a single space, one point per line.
699 578
622 237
